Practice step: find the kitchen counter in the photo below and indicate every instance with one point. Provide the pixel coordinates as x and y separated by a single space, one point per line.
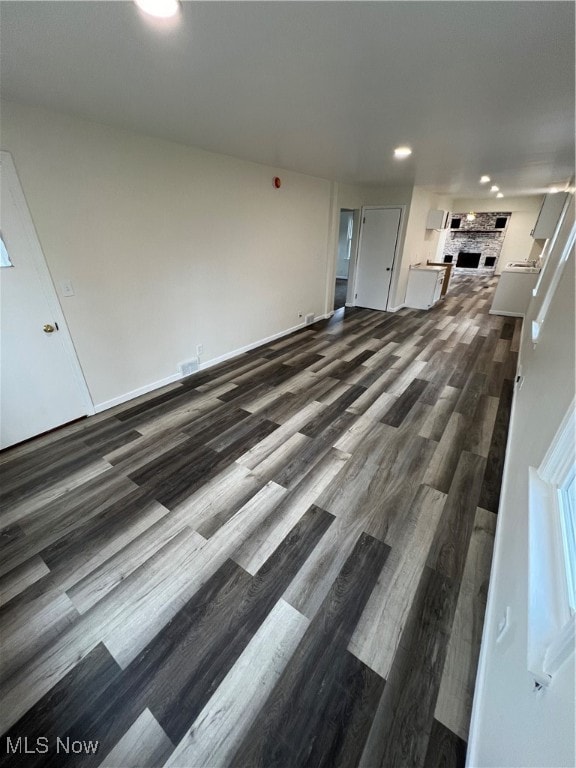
514 289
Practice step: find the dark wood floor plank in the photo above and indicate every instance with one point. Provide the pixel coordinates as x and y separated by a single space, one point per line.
75 457
403 723
160 404
490 496
450 546
445 749
97 531
62 516
466 363
293 724
63 707
311 453
319 423
398 412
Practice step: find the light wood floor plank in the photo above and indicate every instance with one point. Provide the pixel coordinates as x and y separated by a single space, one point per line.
21 577
378 634
454 704
145 745
217 732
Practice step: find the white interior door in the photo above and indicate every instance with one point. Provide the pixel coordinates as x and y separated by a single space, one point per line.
378 241
41 384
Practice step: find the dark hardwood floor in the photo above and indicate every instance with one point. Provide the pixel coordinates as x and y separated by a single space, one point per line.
279 561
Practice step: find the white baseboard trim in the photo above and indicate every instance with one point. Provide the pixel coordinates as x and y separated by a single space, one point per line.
98 408
260 343
506 314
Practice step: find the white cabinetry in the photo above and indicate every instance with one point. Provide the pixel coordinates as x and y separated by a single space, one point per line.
549 216
437 219
513 292
424 286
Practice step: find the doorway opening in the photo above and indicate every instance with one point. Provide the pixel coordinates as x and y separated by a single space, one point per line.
343 272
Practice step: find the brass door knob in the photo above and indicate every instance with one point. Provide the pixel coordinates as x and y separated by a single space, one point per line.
48 328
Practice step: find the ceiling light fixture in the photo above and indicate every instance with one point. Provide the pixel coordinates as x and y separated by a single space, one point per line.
160 9
470 216
494 188
499 194
402 152
484 179
553 191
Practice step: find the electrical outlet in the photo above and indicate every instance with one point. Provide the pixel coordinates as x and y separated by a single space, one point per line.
199 349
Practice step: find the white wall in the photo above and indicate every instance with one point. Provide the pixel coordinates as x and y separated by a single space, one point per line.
511 724
416 243
167 246
420 244
354 196
357 195
518 243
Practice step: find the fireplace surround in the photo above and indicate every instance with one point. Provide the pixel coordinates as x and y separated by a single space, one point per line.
484 235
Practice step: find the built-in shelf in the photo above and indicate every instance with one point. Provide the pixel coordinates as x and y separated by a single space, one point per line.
477 231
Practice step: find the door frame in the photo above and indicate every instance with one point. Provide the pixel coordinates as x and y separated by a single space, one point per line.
402 209
356 225
43 272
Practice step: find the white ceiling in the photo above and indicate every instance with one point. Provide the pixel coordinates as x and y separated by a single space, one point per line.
326 88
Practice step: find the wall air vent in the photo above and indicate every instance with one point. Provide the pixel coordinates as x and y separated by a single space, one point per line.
189 367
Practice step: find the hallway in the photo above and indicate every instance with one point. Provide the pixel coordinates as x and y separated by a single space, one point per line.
279 561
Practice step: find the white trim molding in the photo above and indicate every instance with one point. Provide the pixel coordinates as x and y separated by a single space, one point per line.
552 553
146 388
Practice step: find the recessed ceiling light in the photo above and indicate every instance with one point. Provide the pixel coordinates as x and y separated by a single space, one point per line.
553 190
402 152
161 9
499 194
494 188
484 179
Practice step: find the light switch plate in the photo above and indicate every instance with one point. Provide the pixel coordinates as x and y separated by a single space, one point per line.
67 288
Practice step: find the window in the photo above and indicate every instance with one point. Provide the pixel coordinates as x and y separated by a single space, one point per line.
4 257
567 508
552 555
538 322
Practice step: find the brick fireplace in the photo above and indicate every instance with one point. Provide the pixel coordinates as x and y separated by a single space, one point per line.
476 244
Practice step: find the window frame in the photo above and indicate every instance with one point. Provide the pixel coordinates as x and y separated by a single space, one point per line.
552 555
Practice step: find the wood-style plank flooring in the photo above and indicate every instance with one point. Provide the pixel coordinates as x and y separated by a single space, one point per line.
280 561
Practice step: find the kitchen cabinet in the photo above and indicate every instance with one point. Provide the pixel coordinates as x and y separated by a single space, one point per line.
549 216
514 291
437 219
424 286
447 274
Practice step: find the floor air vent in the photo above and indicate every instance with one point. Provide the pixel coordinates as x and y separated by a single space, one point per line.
309 318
